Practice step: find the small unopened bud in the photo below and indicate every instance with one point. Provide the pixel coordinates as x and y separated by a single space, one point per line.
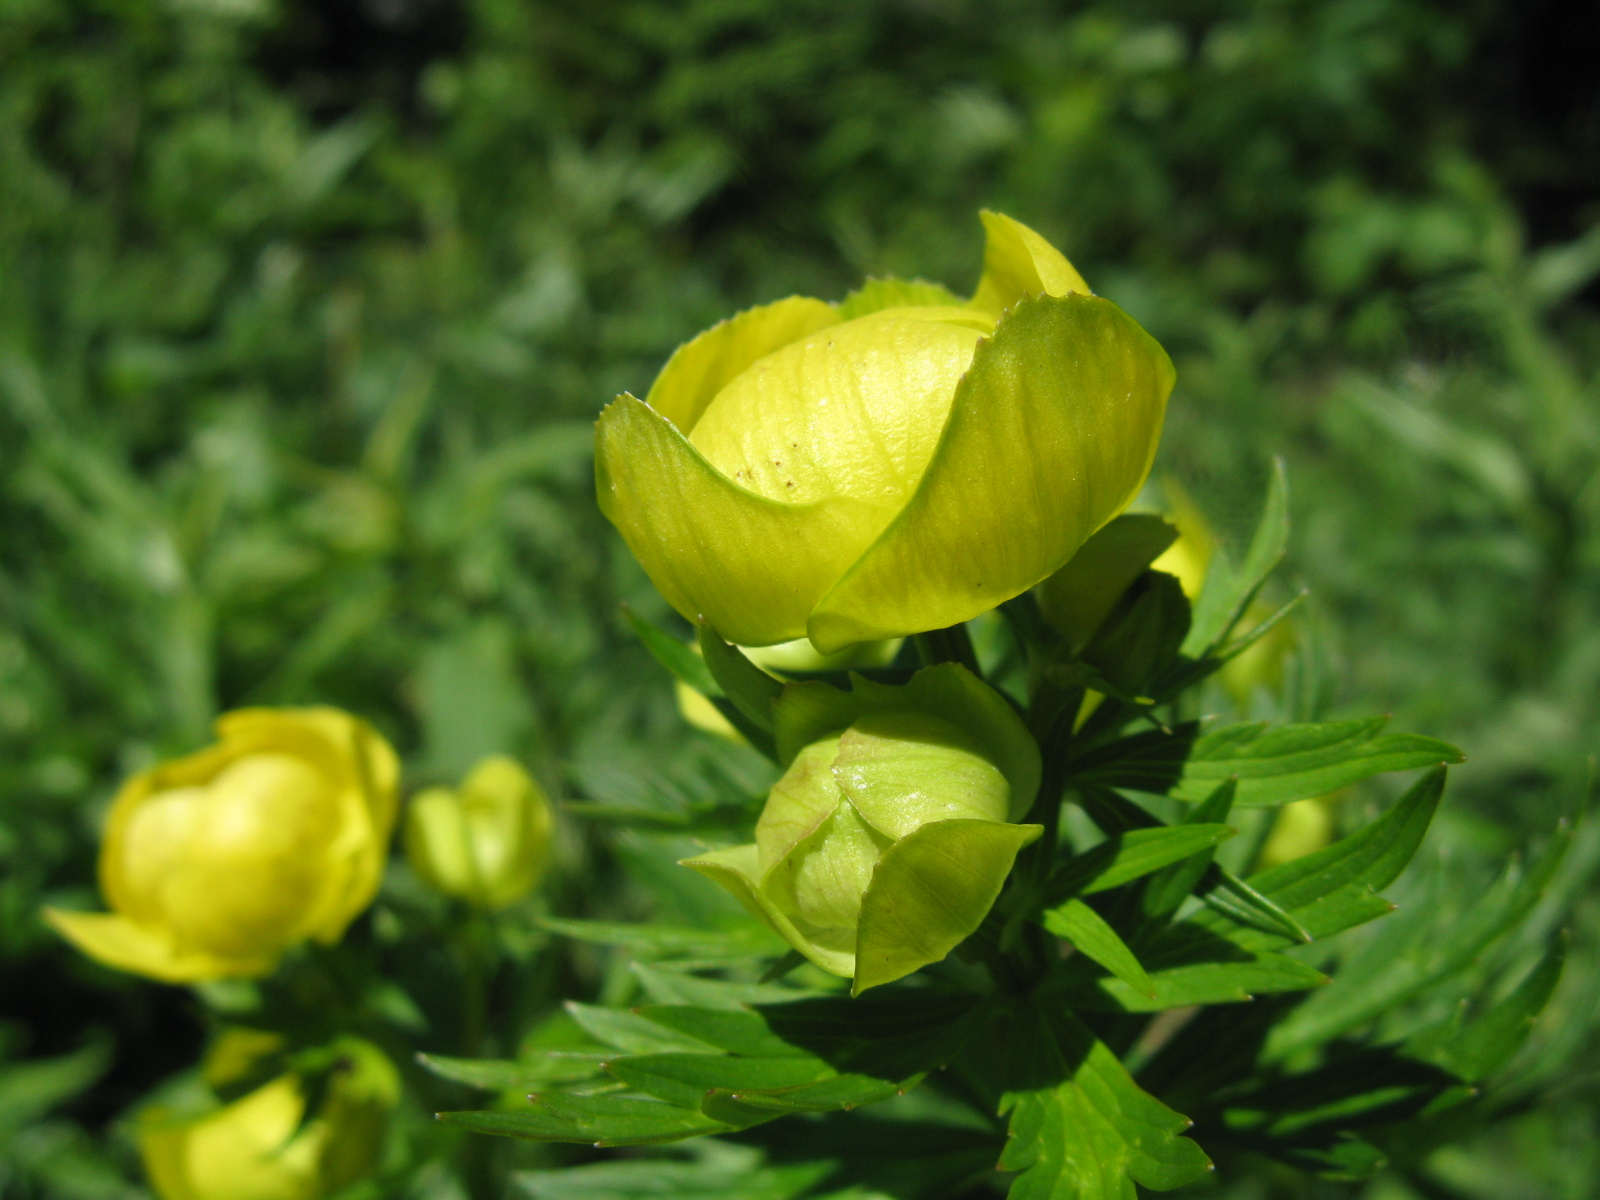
486 841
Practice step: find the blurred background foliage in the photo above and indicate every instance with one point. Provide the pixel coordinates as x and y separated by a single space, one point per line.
306 307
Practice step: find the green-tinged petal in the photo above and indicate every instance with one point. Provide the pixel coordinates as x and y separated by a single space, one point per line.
799 803
819 884
852 410
738 869
1079 597
699 369
1052 433
903 770
1017 262
877 294
750 567
930 892
118 942
808 712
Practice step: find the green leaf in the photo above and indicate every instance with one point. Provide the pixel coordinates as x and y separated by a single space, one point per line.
1489 1042
1358 996
1335 888
684 1079
1167 889
730 1176
504 1075
737 1031
668 985
1089 934
1227 592
841 1093
30 1089
630 1032
1232 980
1234 897
751 689
606 1120
677 657
1127 856
1297 762
1081 1128
671 941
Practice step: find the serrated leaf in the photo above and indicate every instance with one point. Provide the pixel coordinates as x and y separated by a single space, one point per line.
677 657
504 1075
1227 592
1124 857
599 1120
1297 762
1089 934
1081 1128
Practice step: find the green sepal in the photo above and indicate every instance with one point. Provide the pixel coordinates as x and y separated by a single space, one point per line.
1139 640
751 689
929 892
1077 599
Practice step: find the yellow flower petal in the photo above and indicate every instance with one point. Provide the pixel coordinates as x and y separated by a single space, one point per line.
699 369
1017 262
118 942
1052 433
751 567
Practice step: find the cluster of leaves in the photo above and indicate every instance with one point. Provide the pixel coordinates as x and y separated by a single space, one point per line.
1086 1058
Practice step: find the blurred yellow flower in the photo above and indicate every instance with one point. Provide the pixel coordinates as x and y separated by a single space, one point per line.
215 864
485 842
1299 829
262 1146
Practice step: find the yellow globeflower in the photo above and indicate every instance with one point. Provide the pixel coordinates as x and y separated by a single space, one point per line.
217 863
263 1147
899 462
485 842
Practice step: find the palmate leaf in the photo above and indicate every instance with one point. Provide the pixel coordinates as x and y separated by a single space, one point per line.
1080 1127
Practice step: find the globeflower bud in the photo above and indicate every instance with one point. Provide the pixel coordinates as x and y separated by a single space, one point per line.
217 863
263 1147
899 462
890 834
485 842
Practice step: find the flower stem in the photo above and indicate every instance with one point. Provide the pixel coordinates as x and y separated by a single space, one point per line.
952 644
